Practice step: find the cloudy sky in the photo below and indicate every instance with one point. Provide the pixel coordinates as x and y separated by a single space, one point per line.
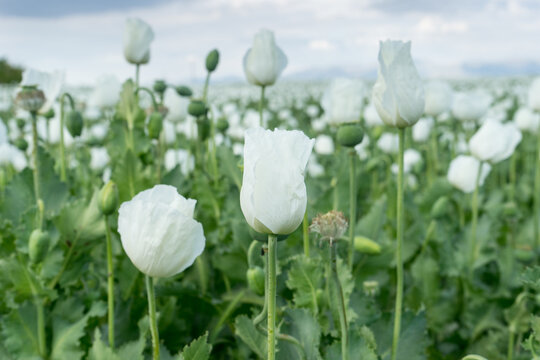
449 37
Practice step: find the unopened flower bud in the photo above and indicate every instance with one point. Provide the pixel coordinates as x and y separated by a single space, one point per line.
441 207
350 135
49 114
160 86
184 91
212 60
331 226
222 125
21 144
155 125
255 280
74 123
365 245
108 198
30 98
21 123
38 245
197 108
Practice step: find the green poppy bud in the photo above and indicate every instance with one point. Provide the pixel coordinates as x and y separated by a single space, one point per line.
74 123
350 135
49 114
184 91
222 125
21 123
197 108
441 207
212 60
108 198
21 144
365 245
160 86
255 280
155 125
38 245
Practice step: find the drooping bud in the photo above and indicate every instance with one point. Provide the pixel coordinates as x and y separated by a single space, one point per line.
30 98
212 60
21 144
365 245
108 198
197 108
350 135
184 91
155 125
255 280
74 123
38 245
331 226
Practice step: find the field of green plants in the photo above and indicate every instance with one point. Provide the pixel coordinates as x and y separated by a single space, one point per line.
348 220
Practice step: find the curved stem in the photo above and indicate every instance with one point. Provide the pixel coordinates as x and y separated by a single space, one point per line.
399 260
261 107
305 234
205 89
271 291
264 310
474 206
152 96
110 283
352 206
341 307
152 315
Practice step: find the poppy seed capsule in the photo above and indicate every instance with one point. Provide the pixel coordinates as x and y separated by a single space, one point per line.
74 123
197 108
212 60
108 198
222 125
30 98
350 135
38 245
160 86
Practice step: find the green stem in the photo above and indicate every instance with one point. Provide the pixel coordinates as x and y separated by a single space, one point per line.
35 157
110 282
271 291
152 314
399 260
148 91
261 107
513 161
537 192
137 71
305 234
41 327
352 206
341 307
264 310
205 89
434 147
474 206
510 355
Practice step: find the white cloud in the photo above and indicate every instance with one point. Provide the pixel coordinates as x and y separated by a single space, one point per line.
321 45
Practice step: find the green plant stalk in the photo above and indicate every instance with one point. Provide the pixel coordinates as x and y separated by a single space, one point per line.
474 223
510 355
261 107
513 161
35 157
152 315
205 89
399 260
305 234
434 148
352 206
341 303
264 310
62 147
537 192
137 75
110 282
271 293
